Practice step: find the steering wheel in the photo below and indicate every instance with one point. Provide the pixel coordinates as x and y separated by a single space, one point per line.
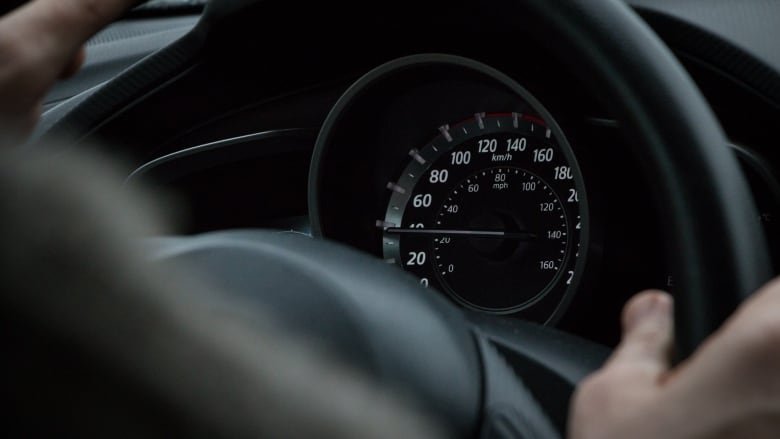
478 375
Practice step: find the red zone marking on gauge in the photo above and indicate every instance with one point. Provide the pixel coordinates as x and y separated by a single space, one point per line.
533 119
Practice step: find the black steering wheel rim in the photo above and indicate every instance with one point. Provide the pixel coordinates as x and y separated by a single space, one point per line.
714 239
714 236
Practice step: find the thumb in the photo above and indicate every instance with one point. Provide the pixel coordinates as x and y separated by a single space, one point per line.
647 337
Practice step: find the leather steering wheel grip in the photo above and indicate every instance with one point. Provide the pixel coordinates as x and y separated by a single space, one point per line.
717 250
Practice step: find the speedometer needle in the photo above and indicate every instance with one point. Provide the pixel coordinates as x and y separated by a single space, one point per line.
500 234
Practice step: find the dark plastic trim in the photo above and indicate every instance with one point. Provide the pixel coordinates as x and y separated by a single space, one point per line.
174 165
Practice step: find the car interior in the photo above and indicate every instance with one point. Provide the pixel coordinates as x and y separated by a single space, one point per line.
492 180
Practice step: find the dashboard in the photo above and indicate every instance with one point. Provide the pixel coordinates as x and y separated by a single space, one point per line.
488 171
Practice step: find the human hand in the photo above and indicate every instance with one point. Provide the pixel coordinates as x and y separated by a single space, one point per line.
41 42
730 388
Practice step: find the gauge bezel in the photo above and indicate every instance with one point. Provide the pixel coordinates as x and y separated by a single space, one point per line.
385 73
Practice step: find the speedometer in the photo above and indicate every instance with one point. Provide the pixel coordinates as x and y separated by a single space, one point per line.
488 212
452 171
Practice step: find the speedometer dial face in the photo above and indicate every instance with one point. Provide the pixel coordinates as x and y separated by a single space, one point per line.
489 212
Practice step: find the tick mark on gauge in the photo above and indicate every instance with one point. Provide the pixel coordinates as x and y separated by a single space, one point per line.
385 224
548 133
395 188
435 148
390 261
480 117
516 120
445 131
417 157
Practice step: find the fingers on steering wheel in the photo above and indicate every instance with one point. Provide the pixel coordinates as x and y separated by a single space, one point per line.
51 32
75 64
73 21
648 333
